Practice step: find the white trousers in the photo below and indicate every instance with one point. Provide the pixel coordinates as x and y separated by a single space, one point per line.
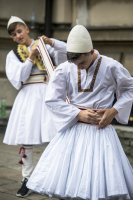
27 166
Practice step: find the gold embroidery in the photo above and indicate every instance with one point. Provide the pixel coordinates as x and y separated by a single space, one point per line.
93 79
24 53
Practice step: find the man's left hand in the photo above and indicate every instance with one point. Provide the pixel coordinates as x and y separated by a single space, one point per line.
108 115
47 40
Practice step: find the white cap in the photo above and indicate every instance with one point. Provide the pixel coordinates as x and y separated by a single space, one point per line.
14 19
79 40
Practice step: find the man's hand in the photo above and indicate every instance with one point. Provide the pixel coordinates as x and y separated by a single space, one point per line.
34 53
108 115
89 116
47 40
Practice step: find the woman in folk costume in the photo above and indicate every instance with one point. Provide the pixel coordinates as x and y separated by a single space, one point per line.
30 122
85 160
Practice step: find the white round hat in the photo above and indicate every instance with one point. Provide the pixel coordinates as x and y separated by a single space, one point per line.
14 19
79 40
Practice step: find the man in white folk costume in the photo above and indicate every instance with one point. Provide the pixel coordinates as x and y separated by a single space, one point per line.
30 122
85 160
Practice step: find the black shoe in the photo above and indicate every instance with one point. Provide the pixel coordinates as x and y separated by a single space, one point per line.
23 191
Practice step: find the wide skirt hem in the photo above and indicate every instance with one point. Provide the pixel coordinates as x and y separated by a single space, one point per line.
114 194
24 143
84 162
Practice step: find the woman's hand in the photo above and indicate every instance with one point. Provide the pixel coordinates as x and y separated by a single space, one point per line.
89 116
108 115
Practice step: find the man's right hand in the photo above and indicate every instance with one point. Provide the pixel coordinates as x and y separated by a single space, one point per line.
34 53
89 116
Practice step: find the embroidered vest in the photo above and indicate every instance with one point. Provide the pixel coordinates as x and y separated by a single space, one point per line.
22 54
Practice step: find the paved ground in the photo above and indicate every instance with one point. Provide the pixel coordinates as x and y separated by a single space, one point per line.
10 171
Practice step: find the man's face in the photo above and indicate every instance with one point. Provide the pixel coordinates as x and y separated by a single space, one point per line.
20 34
84 61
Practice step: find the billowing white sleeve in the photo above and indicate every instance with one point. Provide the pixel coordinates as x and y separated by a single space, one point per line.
58 52
63 114
124 93
17 71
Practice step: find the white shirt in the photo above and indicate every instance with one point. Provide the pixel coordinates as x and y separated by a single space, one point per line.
18 72
111 78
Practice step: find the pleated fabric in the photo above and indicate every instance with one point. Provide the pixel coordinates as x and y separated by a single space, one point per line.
30 121
84 163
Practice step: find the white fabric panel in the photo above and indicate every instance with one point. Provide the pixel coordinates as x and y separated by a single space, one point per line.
45 57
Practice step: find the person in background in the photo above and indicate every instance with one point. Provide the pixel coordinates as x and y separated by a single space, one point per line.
85 160
30 122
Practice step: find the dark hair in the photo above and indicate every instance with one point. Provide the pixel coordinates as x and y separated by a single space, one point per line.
12 26
72 57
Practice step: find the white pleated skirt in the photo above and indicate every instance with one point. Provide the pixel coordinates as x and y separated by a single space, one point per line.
30 121
84 163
